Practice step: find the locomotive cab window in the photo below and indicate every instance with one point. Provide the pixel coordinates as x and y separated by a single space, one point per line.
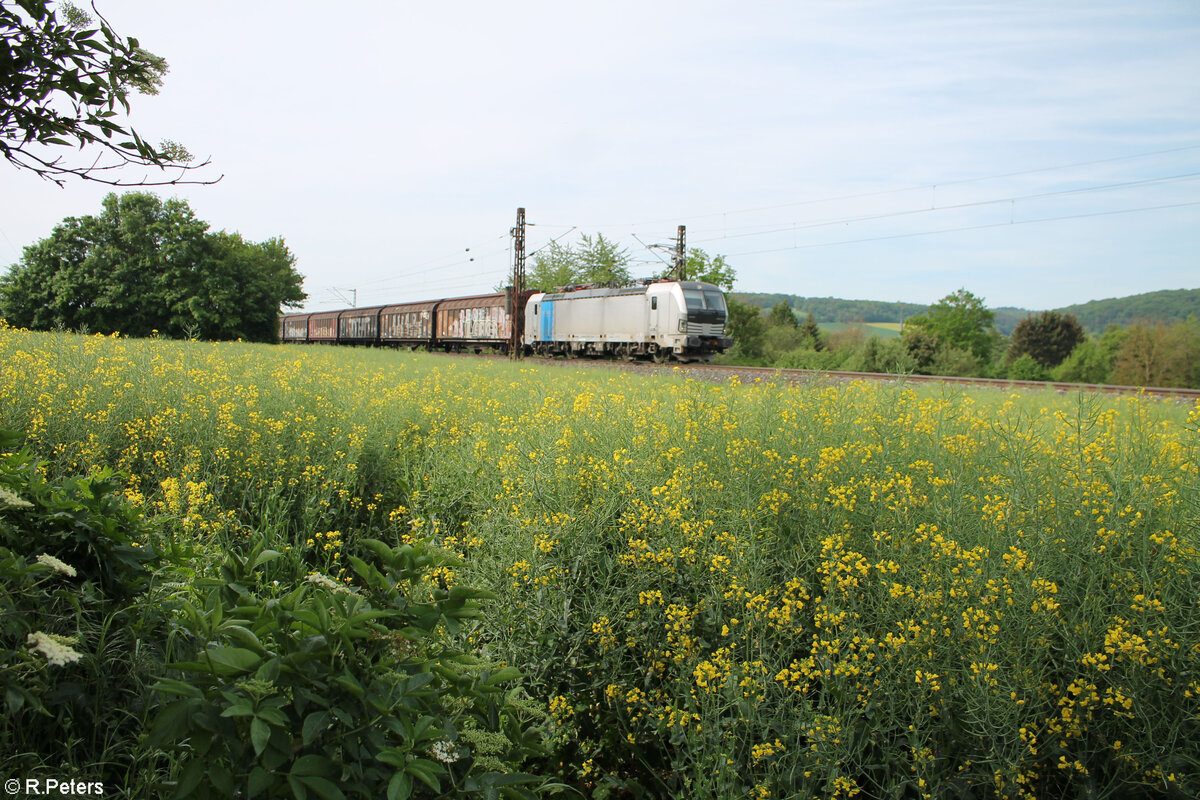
704 305
654 303
704 300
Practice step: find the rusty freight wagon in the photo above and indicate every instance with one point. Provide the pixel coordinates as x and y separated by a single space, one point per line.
408 324
475 323
454 324
323 326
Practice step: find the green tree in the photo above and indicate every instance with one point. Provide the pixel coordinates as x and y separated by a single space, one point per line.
782 316
810 333
64 82
144 265
746 328
1048 338
601 260
554 265
921 347
716 270
1154 354
1088 363
960 320
1026 368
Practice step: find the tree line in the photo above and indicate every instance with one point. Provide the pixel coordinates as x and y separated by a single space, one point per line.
1168 306
957 336
144 266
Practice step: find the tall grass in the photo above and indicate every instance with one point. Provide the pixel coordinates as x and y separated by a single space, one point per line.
716 590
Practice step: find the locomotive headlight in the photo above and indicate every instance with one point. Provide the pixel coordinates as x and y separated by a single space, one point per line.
682 324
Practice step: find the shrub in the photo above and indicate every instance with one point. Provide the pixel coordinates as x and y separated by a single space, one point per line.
75 653
292 685
1025 368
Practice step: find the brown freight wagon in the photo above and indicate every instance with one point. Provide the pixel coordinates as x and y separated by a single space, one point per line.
408 324
474 322
293 327
323 327
359 325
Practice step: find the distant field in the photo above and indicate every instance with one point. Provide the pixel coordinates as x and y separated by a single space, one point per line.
884 330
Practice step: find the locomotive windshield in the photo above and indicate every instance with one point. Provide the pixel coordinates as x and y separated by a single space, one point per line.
704 304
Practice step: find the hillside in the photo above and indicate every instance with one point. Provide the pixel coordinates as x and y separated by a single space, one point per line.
1168 306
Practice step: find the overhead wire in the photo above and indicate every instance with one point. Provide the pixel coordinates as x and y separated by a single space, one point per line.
966 228
958 206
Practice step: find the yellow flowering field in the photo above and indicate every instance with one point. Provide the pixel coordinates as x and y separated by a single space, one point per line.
713 590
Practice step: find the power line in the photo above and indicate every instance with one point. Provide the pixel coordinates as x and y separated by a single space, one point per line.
958 206
965 228
920 187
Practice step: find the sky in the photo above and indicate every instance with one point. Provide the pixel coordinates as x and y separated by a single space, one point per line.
1038 153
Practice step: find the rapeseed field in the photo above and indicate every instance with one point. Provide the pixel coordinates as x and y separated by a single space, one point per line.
711 590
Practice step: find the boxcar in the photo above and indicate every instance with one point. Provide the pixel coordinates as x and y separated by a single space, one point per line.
323 326
407 324
474 322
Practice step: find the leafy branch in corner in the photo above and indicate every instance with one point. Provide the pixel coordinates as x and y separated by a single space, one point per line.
65 81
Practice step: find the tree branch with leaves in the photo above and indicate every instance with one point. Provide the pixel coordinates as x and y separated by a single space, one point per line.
65 82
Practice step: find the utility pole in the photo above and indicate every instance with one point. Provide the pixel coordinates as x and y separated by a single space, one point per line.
681 254
517 317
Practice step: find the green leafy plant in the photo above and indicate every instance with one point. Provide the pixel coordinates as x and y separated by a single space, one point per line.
297 686
74 656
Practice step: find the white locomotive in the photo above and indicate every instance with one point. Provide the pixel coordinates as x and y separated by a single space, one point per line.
684 320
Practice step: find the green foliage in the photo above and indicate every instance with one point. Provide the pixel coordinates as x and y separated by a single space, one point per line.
782 316
1154 354
921 346
63 85
293 686
554 265
956 361
747 329
594 259
881 355
144 266
1167 307
960 320
811 358
1087 363
810 334
602 261
1025 368
832 309
701 266
76 654
1048 338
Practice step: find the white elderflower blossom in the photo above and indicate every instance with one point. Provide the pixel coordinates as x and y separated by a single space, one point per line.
53 563
56 649
445 751
10 499
325 582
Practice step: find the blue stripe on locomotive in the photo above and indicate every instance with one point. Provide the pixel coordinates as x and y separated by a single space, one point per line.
546 331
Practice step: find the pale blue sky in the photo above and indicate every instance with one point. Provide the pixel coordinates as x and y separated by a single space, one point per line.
1037 153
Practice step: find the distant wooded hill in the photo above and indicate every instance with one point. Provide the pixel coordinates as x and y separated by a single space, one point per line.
1168 306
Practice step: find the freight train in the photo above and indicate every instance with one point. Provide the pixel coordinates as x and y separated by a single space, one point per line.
661 320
